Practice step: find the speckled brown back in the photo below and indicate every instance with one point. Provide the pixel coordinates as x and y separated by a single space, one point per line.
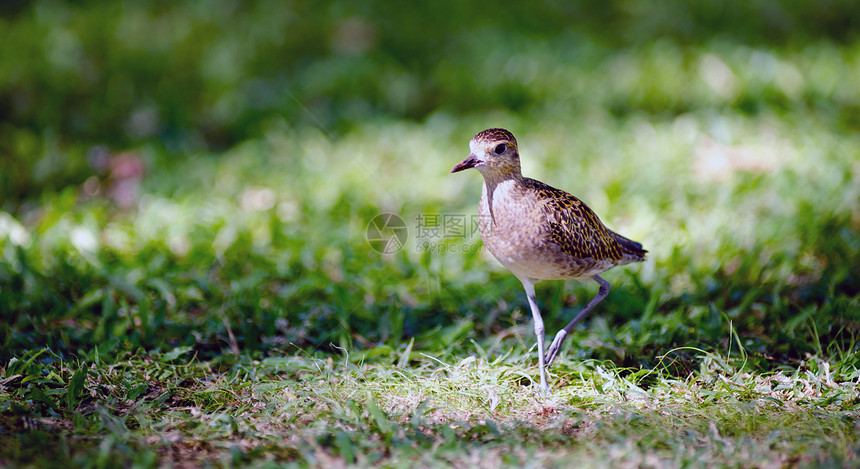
578 230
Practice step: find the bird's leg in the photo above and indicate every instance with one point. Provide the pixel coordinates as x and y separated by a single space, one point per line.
555 347
529 285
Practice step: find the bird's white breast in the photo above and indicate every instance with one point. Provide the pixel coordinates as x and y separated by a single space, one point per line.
515 229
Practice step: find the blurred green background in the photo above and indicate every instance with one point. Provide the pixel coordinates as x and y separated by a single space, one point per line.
202 173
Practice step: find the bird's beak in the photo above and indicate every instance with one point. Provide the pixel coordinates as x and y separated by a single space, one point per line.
469 162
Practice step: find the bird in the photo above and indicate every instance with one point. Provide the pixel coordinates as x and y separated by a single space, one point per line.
539 232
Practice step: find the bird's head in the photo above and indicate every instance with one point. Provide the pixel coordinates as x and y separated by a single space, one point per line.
494 153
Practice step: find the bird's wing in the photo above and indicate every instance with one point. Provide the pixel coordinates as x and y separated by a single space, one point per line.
574 226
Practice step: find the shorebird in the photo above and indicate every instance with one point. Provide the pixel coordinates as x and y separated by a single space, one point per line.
541 233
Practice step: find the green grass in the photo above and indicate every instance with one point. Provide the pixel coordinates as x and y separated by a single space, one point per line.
122 326
224 307
477 411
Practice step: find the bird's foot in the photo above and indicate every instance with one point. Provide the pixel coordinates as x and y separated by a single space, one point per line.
555 347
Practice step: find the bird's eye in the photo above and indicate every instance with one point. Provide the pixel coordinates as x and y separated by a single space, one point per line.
500 149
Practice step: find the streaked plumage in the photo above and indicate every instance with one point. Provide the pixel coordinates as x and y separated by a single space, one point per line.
539 232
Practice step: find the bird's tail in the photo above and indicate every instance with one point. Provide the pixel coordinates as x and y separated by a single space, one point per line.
631 250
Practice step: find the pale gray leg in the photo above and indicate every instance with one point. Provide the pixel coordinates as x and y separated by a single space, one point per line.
555 347
529 285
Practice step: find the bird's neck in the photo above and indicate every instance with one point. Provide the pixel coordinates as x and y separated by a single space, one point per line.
493 179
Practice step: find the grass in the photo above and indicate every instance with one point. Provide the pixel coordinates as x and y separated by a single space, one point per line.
255 326
194 304
481 410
